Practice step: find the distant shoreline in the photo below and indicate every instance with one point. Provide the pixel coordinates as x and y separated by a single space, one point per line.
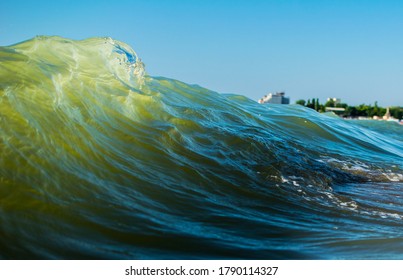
361 112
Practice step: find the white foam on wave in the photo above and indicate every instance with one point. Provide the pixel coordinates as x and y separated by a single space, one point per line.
356 167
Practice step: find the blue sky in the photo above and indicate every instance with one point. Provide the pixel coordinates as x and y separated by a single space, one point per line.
352 50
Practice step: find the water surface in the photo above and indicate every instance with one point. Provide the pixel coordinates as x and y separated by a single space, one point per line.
101 161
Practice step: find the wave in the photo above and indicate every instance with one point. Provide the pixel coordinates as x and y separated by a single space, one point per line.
101 160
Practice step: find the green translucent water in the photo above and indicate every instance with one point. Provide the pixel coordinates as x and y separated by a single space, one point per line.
100 160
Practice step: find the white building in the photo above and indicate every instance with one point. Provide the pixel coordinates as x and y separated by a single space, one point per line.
277 98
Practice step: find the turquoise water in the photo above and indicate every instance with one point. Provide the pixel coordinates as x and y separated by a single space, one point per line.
101 161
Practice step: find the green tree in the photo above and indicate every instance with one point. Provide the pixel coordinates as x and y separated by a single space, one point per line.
301 102
342 105
375 110
362 110
329 103
311 104
396 112
351 111
317 105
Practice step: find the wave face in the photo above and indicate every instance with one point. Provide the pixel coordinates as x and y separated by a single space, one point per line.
101 161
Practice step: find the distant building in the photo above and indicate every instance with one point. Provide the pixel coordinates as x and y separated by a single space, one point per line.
387 114
277 98
335 109
335 100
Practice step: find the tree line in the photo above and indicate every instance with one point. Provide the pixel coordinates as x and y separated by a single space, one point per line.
362 110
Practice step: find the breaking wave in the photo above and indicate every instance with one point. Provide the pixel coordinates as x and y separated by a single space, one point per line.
100 160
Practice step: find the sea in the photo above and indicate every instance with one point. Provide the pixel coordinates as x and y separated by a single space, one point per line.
99 160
